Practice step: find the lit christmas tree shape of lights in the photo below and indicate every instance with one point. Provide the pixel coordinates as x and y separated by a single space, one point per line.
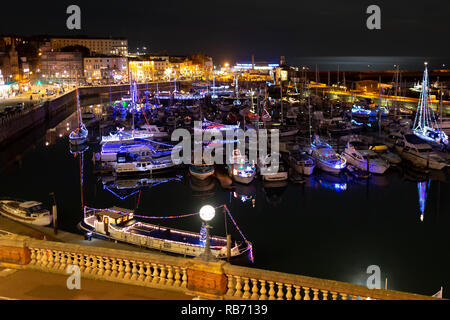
425 124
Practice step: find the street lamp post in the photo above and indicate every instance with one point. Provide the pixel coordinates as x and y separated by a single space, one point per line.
207 213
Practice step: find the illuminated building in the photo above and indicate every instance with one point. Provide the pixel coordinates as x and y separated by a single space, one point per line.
104 46
105 68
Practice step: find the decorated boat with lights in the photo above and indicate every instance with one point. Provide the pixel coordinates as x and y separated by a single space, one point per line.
239 169
121 225
31 212
326 158
425 124
80 134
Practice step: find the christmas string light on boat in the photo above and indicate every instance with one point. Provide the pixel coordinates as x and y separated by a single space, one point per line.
425 124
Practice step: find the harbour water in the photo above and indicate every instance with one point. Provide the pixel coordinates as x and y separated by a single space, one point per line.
329 227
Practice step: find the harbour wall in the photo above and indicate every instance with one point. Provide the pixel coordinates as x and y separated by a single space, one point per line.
22 123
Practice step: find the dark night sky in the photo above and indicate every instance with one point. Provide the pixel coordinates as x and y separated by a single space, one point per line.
235 29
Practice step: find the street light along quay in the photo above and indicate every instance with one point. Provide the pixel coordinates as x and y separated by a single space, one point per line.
207 213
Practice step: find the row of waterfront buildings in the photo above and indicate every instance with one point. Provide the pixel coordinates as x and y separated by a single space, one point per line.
91 60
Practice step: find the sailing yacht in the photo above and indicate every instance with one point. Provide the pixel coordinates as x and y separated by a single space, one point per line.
425 124
80 134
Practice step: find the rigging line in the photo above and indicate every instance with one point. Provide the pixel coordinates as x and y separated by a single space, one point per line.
234 222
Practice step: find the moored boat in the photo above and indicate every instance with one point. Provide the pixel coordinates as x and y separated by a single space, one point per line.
120 224
31 212
326 158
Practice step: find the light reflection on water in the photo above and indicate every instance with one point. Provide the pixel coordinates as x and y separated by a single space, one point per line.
330 227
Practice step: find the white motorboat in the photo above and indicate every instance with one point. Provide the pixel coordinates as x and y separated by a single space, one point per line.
131 164
421 154
31 212
357 154
326 158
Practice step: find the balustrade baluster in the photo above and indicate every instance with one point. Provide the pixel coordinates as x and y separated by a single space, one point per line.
271 291
184 278
238 287
127 275
230 285
280 293
324 294
141 271
155 273
255 289
134 270
114 267
177 282
148 273
33 256
315 294
169 276
334 295
246 294
306 291
297 293
100 266
63 261
87 264
107 267
162 275
121 269
263 290
288 292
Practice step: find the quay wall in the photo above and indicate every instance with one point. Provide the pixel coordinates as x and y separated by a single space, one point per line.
208 280
13 128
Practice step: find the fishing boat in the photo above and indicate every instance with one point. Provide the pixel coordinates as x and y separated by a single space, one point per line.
31 212
425 124
80 134
239 169
418 152
201 171
121 225
357 154
326 158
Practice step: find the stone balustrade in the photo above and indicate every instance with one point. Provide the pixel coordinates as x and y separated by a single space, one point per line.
257 284
213 280
136 268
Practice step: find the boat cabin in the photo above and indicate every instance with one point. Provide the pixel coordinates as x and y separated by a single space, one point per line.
115 217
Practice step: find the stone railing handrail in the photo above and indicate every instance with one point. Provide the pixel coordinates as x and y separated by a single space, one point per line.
136 268
248 283
217 280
